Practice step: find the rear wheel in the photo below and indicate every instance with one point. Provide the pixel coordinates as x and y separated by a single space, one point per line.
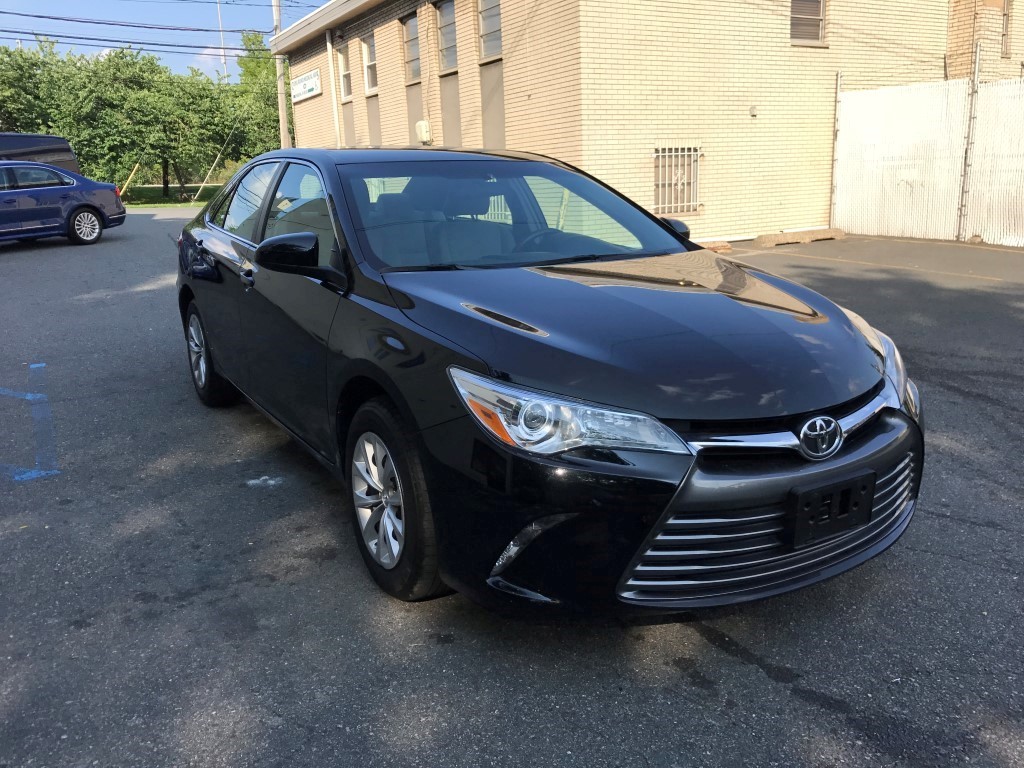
85 227
212 388
390 508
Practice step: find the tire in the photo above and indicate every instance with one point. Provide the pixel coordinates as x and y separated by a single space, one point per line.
212 388
85 227
411 574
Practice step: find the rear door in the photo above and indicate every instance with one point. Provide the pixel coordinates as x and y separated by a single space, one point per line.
286 319
9 214
42 197
224 246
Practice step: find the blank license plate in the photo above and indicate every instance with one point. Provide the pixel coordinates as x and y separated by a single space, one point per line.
828 510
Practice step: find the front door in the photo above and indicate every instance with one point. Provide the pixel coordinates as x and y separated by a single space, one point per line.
225 245
286 318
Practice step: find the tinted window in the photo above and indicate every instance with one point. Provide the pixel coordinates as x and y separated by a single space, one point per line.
300 205
241 214
36 177
492 213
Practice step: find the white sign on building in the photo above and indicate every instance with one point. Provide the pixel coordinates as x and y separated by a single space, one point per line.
306 86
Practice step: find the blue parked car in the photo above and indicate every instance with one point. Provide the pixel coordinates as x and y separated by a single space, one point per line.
39 200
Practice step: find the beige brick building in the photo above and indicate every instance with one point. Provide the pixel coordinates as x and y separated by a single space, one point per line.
718 113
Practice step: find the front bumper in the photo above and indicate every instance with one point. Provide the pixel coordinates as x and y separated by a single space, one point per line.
617 509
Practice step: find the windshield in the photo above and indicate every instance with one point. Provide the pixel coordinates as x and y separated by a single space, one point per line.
491 213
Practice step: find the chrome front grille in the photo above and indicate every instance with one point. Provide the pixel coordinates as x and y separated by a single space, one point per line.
697 555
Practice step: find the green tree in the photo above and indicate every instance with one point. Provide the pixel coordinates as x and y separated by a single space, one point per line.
256 96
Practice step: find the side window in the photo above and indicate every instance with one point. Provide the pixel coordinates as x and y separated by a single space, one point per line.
5 180
242 211
34 178
300 205
568 212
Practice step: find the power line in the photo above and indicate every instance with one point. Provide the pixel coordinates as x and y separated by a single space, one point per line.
132 42
150 49
133 24
290 4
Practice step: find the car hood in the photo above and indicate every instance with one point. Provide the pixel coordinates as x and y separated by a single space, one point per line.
685 336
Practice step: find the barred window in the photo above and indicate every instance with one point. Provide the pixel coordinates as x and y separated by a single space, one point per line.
446 36
411 28
807 21
490 28
676 179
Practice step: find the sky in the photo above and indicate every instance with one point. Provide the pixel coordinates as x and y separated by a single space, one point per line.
236 15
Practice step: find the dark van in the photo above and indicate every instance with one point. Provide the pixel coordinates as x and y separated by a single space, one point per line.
39 148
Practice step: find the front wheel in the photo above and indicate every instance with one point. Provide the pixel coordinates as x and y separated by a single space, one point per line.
212 388
85 227
390 510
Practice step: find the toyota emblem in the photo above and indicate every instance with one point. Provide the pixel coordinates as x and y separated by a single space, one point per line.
820 438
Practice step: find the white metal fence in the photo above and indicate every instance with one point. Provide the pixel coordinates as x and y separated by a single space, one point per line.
909 164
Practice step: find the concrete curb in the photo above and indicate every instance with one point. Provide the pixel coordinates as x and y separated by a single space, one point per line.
788 238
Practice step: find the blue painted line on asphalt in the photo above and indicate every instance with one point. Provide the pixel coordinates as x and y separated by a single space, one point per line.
42 419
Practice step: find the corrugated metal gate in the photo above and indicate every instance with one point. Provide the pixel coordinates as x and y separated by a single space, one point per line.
909 163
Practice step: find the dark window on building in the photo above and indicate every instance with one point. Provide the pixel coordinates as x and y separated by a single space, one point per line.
490 28
411 28
446 36
370 64
807 21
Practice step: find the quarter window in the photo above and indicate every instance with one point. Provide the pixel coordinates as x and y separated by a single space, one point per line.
490 28
446 35
346 73
5 180
370 64
241 214
411 27
34 178
807 21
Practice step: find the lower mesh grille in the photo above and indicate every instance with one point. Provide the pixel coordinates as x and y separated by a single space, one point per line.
699 555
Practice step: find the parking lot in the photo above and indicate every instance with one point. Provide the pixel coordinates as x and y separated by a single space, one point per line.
177 586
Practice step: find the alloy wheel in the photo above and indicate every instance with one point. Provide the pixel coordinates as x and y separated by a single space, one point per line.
197 350
87 226
377 496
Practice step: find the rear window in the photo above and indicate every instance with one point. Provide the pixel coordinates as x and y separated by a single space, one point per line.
28 177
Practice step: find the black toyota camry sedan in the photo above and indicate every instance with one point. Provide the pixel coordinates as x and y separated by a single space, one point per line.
534 391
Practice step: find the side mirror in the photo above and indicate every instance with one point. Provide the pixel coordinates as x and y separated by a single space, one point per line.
297 253
680 227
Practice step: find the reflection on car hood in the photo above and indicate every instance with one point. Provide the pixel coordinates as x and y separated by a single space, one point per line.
684 336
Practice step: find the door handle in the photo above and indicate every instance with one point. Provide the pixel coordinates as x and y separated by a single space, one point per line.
246 277
10 202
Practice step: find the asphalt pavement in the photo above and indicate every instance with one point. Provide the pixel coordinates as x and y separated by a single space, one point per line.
177 586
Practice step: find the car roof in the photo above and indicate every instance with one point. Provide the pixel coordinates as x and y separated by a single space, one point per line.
9 163
400 154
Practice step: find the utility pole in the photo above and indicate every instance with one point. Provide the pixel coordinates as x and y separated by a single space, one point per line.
223 55
282 104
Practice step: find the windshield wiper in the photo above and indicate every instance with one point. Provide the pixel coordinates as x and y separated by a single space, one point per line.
424 268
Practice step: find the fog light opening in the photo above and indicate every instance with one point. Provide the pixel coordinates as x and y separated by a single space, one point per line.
523 538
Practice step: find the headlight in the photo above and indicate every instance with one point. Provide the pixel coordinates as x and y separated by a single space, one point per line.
894 367
546 424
